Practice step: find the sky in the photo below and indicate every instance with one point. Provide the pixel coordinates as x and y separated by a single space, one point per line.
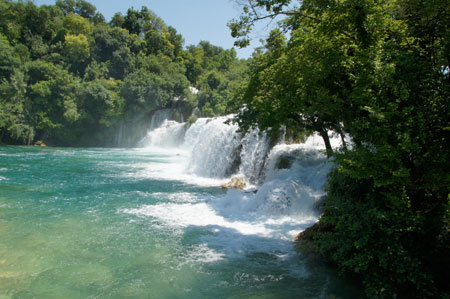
196 20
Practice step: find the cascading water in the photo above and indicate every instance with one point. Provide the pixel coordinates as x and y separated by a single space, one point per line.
216 149
169 135
285 186
213 149
158 118
255 149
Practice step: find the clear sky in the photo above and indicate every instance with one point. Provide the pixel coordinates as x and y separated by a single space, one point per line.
196 20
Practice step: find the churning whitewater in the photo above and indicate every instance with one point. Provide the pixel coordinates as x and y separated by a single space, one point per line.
284 185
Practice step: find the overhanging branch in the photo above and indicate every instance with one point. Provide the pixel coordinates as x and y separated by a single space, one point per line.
292 13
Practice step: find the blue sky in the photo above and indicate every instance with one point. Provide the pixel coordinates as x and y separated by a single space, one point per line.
196 20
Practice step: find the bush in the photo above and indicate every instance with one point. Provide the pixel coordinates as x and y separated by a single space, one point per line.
374 234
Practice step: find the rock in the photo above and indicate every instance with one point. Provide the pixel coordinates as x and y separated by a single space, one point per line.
40 143
251 190
319 205
304 241
236 183
236 161
284 162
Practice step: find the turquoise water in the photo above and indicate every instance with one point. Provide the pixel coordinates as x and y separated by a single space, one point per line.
92 223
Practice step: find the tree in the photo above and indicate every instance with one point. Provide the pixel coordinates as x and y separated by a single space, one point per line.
68 78
117 20
75 24
77 51
8 61
377 71
154 82
13 122
100 103
81 8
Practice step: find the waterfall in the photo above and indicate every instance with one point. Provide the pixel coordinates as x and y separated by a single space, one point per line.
216 149
288 177
255 148
211 144
159 116
284 186
170 134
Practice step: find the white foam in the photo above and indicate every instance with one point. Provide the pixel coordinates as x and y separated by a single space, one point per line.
237 222
199 214
234 221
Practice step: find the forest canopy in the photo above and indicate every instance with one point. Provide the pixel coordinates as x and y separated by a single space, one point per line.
70 78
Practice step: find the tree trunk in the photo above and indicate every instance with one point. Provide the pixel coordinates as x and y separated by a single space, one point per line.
344 145
2 135
341 133
30 137
326 140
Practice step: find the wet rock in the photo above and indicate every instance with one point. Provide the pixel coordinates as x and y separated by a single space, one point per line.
235 161
284 162
320 204
236 183
304 241
40 143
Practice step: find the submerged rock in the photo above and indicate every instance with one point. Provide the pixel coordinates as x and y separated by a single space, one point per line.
236 183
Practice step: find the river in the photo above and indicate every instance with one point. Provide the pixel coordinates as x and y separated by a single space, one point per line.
152 222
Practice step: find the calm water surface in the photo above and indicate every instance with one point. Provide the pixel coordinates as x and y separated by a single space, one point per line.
103 223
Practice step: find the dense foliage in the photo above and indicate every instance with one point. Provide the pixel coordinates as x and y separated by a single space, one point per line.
378 72
69 78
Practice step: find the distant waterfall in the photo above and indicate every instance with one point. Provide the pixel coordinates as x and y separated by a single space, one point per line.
170 134
159 116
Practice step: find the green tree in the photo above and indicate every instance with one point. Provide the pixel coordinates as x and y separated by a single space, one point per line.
100 103
81 8
117 20
155 82
8 61
70 79
377 71
76 25
51 100
77 51
14 125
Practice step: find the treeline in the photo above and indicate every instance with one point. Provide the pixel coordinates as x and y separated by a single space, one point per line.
70 78
377 72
